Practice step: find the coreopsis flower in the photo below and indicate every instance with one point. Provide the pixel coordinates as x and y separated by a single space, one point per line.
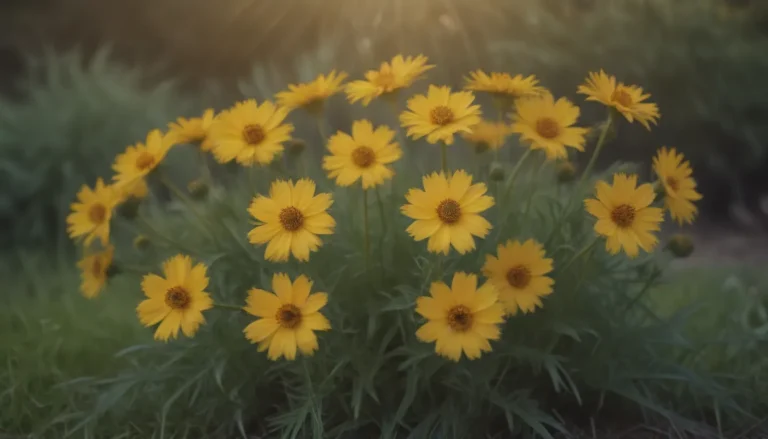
311 95
139 160
92 213
626 99
548 125
675 176
503 85
389 78
194 130
440 115
488 135
94 270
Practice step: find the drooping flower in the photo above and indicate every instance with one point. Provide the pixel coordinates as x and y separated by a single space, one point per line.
311 95
519 274
440 115
675 174
488 135
139 160
289 317
250 133
503 84
94 268
626 99
389 78
176 301
548 125
624 215
291 219
448 211
365 155
194 130
461 318
92 213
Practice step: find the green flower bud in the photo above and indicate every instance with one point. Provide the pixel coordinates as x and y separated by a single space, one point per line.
129 208
198 189
113 270
481 147
497 172
141 243
680 245
566 172
295 147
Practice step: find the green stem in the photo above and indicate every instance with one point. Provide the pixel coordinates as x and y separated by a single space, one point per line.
583 252
444 157
382 215
228 307
189 204
512 175
321 129
598 148
366 238
207 177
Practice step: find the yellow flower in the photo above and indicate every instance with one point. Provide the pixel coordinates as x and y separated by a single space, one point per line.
139 160
460 318
311 95
137 189
488 135
448 211
289 317
518 273
624 215
547 125
503 84
194 130
290 220
94 269
91 214
250 133
363 155
674 173
627 99
401 73
177 300
440 114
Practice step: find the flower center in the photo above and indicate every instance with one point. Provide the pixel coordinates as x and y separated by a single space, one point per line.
385 80
621 97
519 276
547 128
288 316
673 183
145 161
449 211
97 213
363 156
460 318
623 215
441 115
177 298
253 134
96 267
291 218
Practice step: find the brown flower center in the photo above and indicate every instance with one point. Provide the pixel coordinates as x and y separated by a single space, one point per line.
449 211
97 213
441 115
673 183
547 128
519 276
96 267
621 97
623 215
460 318
254 134
363 156
145 161
291 218
288 316
177 298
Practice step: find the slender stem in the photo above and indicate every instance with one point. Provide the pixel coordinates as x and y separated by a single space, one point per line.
513 174
444 157
188 204
207 177
228 307
366 231
584 251
598 148
321 129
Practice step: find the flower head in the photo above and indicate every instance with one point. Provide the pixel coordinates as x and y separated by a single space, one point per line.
488 135
440 114
448 211
390 77
624 215
94 268
137 189
139 160
674 174
626 99
519 275
289 317
92 212
547 125
194 130
290 220
503 84
363 155
460 318
250 133
176 301
311 95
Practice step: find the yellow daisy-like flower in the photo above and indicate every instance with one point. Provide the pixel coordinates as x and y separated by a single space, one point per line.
624 215
460 318
139 160
311 95
519 275
363 155
674 173
440 114
626 99
92 212
289 317
547 125
290 220
390 77
137 189
250 133
448 211
177 300
488 135
94 268
194 130
503 84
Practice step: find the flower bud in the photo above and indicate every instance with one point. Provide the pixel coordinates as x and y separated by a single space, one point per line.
480 147
129 208
566 172
680 245
295 147
497 172
198 189
113 270
141 243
